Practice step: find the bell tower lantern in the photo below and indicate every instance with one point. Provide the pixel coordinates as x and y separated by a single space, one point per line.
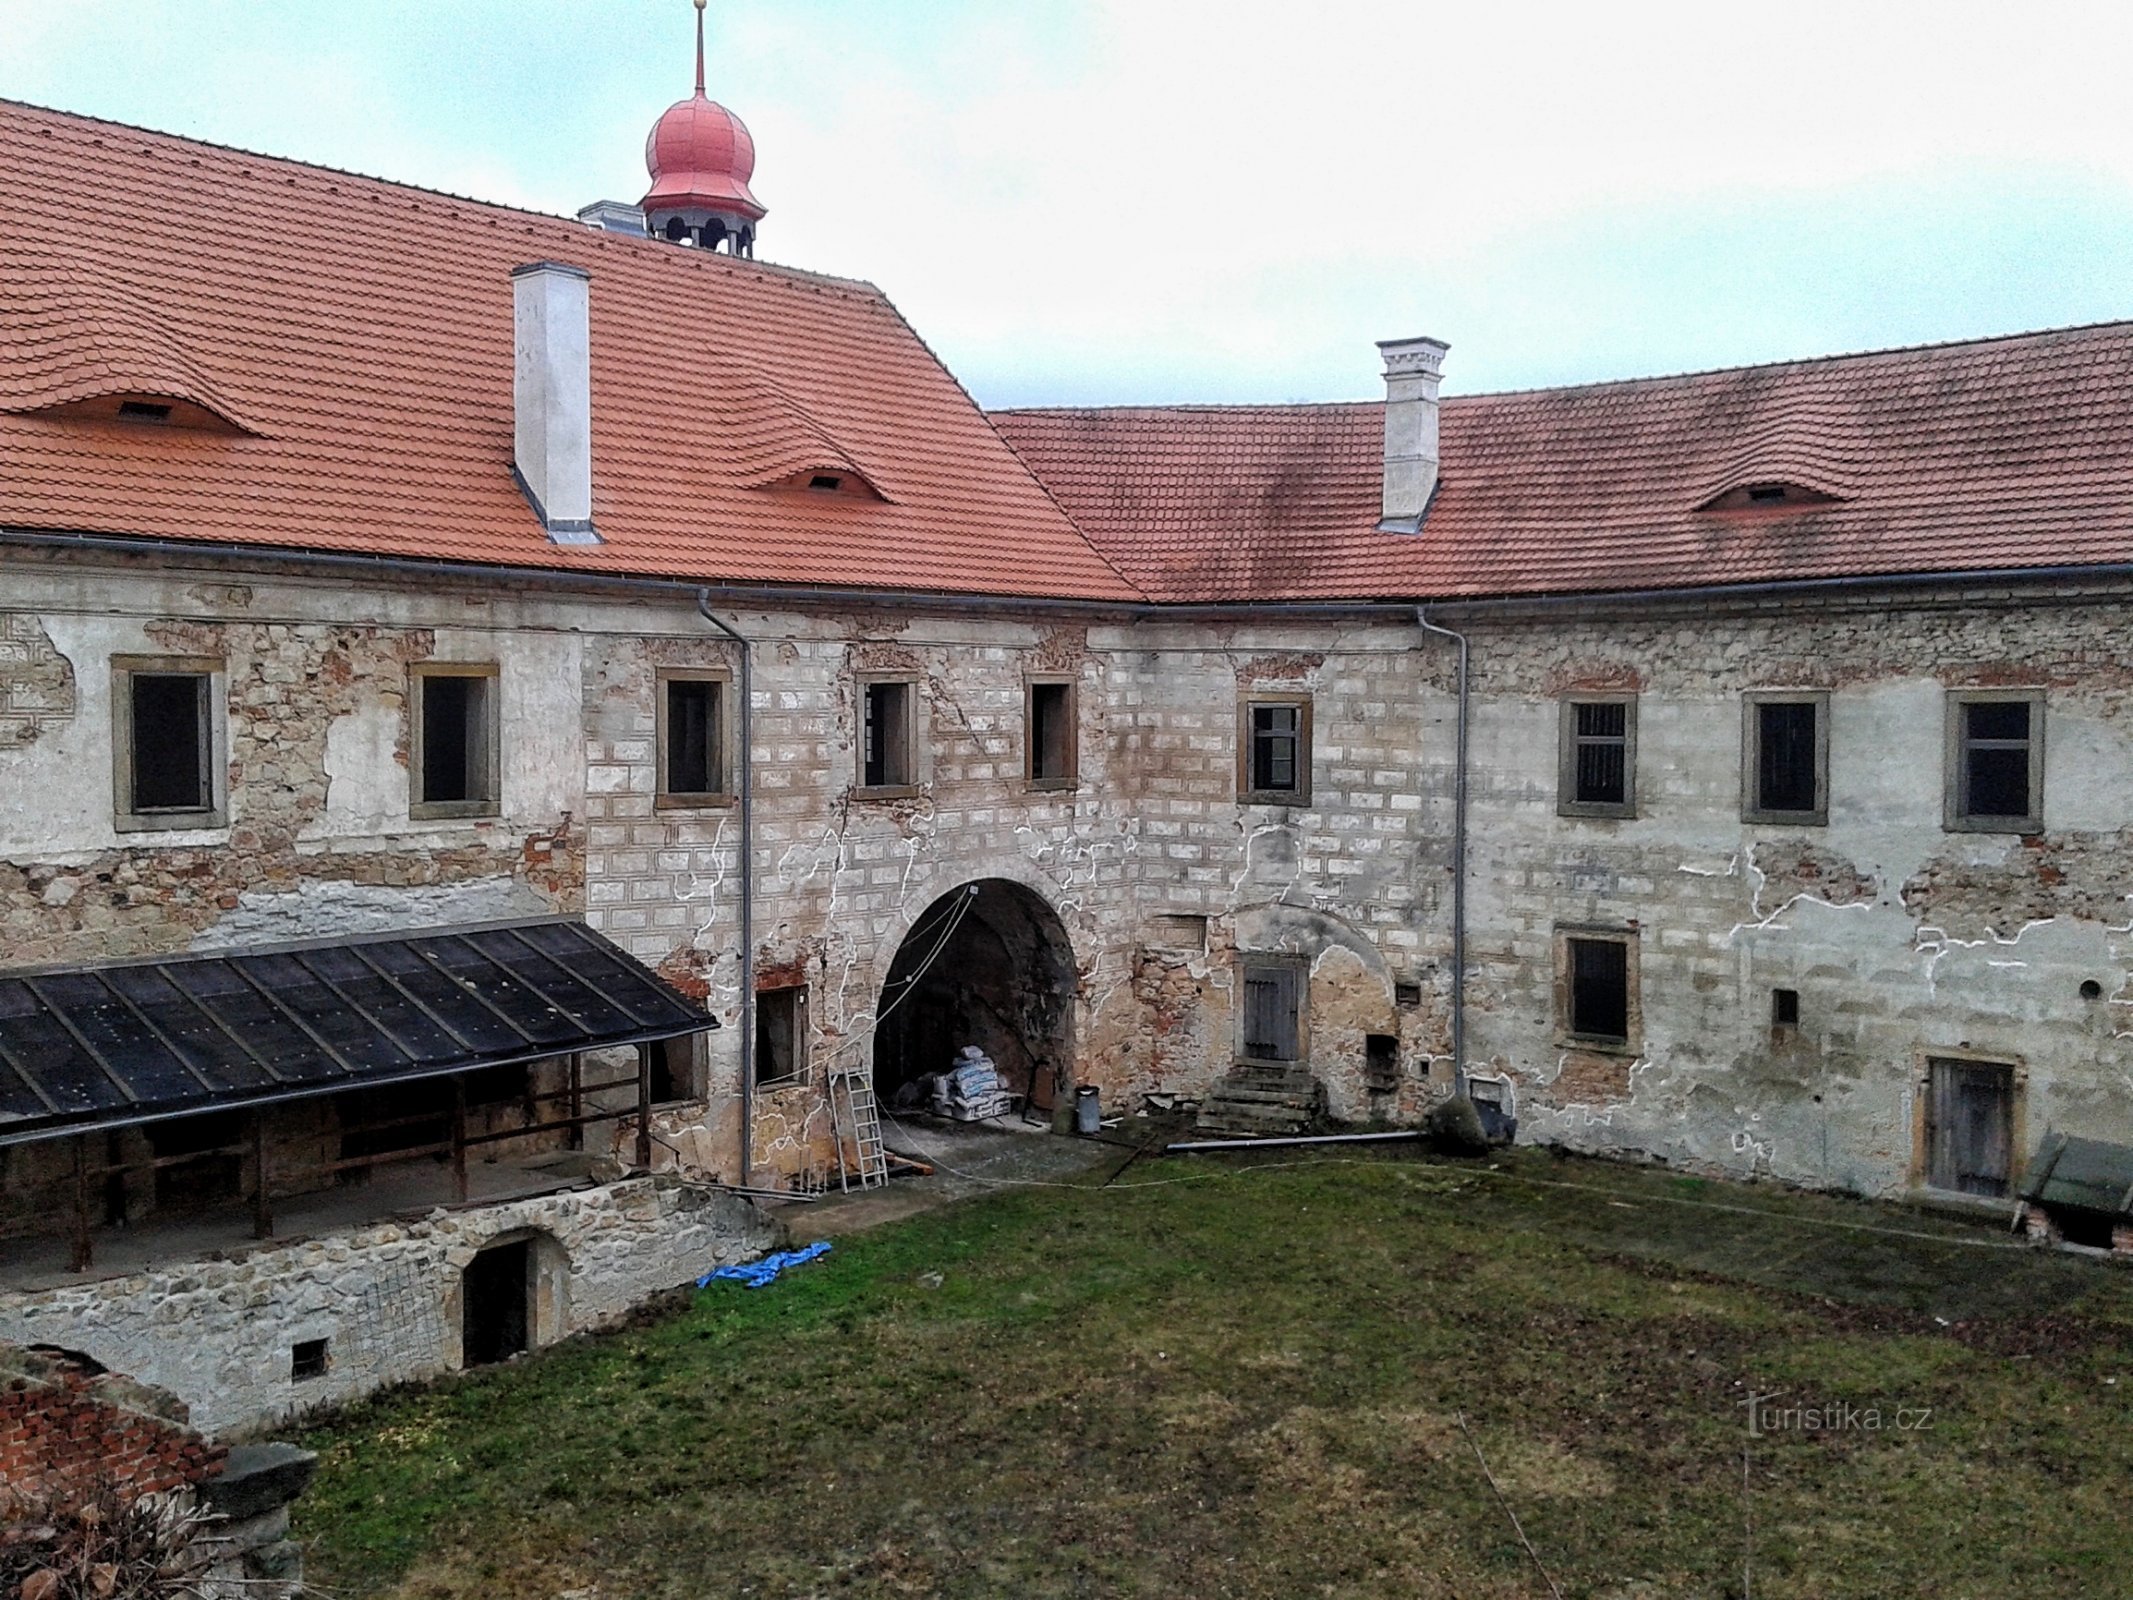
701 158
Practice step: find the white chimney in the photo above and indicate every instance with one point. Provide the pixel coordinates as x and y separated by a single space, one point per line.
551 372
1413 369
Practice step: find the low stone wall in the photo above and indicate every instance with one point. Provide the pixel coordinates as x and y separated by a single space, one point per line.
222 1334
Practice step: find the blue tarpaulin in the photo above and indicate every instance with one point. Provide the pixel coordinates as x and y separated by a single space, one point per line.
756 1274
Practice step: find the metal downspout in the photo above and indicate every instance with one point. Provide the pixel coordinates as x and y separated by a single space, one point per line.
743 734
1459 1085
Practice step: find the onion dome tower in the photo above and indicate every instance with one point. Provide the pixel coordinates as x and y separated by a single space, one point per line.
701 158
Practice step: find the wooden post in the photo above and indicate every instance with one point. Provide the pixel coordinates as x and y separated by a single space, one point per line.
577 1099
459 1137
82 1253
644 1107
262 1216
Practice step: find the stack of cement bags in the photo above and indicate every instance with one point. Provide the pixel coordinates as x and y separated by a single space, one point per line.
971 1089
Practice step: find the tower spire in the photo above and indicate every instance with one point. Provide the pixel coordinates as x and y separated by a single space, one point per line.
700 46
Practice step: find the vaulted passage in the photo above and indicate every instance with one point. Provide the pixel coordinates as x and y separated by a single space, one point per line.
987 964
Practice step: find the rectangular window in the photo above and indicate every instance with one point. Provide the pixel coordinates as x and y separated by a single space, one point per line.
166 738
1599 757
1996 761
1969 1126
1049 725
678 1070
307 1360
780 1036
1274 751
1596 987
454 741
885 736
692 739
1784 1008
1785 759
1271 1012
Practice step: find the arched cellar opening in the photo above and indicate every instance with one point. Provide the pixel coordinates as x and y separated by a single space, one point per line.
987 964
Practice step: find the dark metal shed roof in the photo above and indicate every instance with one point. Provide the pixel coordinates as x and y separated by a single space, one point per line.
2083 1174
89 1047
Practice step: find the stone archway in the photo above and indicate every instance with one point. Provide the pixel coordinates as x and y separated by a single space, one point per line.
989 963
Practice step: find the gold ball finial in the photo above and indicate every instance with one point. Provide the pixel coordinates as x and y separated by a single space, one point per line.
700 4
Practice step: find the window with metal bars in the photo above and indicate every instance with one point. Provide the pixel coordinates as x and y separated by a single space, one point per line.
1598 979
1274 751
1785 759
1599 757
1271 1010
1996 761
165 758
692 764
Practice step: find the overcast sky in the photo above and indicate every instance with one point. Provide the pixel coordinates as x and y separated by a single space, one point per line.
1087 201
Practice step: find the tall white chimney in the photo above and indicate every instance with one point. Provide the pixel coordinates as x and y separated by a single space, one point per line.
551 372
1413 370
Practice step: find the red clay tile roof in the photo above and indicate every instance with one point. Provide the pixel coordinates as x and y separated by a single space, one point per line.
2012 452
361 332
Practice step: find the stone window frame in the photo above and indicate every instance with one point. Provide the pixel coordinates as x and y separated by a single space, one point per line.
1247 795
1921 1173
665 799
915 745
1299 967
214 743
1632 940
491 804
1954 817
1071 778
1751 757
803 1056
1566 802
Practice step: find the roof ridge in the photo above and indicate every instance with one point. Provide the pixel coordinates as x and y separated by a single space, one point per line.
427 191
1177 410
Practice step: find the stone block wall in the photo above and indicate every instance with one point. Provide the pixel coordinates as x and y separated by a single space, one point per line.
386 1299
69 1428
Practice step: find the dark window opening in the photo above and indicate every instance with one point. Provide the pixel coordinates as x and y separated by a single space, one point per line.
693 735
780 1036
1970 1126
205 1156
497 1295
1764 493
1051 733
1786 757
676 1074
144 411
1599 989
885 743
1996 759
1600 753
825 480
1784 1008
307 1360
2095 1229
1407 995
170 742
456 734
1277 738
1381 1063
1273 1012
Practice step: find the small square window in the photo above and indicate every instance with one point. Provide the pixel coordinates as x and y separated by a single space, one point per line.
454 740
781 1036
308 1359
1995 781
166 731
1407 994
1599 757
885 736
1274 751
1785 759
1596 989
1271 1009
692 739
1049 734
1784 1008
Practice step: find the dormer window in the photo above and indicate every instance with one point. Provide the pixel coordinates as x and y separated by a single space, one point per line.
143 411
839 479
1770 494
829 482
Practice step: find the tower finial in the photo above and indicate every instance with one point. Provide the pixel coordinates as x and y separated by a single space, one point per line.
700 46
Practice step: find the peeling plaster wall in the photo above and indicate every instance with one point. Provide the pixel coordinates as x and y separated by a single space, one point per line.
1903 940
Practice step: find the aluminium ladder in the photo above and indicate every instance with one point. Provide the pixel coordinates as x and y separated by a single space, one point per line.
861 1117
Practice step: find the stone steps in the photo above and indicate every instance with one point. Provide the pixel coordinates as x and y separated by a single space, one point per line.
1262 1102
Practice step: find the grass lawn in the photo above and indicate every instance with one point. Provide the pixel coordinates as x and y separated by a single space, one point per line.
1250 1383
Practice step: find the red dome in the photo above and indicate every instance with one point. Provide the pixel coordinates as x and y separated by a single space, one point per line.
701 158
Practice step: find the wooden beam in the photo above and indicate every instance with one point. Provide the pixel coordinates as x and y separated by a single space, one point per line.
644 1107
262 1214
577 1099
459 1137
82 1254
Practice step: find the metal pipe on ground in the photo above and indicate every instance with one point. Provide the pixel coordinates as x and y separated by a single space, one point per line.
1198 1146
